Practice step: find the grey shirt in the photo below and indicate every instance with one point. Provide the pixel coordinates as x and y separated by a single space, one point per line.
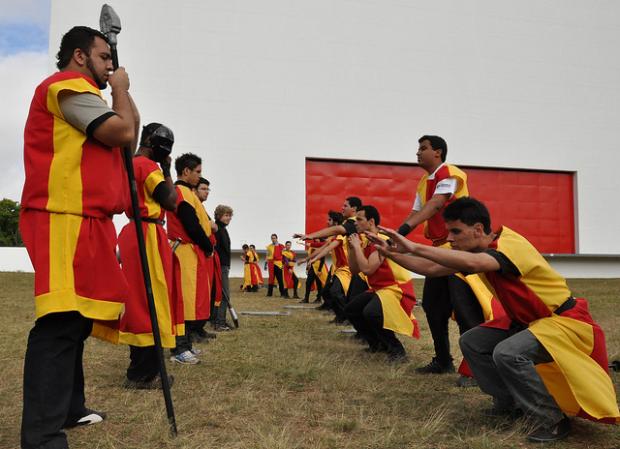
85 111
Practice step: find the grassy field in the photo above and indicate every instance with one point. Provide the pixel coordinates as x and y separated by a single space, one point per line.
288 382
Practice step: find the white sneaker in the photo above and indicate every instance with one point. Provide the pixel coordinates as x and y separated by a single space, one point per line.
196 351
185 358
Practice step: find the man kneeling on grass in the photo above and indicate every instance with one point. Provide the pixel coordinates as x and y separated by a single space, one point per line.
546 358
387 307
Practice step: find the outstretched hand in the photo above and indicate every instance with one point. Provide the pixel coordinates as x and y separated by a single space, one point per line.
300 236
398 243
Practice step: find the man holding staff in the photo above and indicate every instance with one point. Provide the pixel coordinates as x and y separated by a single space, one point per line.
74 184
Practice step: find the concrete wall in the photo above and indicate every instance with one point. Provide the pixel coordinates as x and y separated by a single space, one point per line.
255 87
16 259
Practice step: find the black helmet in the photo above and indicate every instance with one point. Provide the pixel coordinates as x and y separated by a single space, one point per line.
159 138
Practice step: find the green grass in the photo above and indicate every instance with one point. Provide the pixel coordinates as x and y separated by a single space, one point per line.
288 382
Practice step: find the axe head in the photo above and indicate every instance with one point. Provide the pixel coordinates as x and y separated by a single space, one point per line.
110 23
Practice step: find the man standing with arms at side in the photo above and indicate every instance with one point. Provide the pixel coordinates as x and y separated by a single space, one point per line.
189 226
223 215
273 263
74 183
441 185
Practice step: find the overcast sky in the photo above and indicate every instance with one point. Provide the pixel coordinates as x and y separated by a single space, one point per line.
24 29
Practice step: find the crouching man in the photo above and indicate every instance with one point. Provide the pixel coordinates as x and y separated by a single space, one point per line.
546 357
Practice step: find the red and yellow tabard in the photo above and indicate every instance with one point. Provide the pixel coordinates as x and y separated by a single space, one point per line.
74 185
394 286
319 266
435 227
274 258
578 377
134 327
190 262
289 269
256 267
340 261
250 270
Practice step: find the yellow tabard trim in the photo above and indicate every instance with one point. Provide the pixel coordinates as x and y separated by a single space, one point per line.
482 293
65 176
574 379
394 317
191 198
536 272
153 208
160 295
188 261
344 275
63 239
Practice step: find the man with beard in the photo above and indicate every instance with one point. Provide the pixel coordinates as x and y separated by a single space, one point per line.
74 183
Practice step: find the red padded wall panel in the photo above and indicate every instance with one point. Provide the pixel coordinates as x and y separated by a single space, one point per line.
537 204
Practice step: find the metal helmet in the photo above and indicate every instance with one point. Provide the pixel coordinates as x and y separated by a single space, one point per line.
159 138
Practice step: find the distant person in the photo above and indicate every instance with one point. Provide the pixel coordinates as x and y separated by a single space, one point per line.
223 216
274 264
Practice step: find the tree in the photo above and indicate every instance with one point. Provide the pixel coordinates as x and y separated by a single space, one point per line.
9 219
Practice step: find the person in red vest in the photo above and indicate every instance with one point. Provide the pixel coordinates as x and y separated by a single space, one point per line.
273 263
156 194
74 183
546 356
387 306
190 229
448 296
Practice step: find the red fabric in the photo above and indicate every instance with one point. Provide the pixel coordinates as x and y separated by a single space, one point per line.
101 167
34 227
436 226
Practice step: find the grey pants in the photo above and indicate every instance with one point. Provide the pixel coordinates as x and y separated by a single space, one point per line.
503 363
221 317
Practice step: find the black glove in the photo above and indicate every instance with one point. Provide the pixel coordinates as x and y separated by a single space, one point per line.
404 229
165 168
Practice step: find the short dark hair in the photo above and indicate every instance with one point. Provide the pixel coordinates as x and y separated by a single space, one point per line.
252 245
371 212
437 143
77 37
203 181
470 211
335 216
187 160
354 202
245 246
274 235
288 241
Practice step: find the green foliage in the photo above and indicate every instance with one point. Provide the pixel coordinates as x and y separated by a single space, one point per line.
9 218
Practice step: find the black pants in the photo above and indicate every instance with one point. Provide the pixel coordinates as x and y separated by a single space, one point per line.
143 365
356 287
295 283
441 297
53 379
313 279
338 299
364 312
325 293
277 273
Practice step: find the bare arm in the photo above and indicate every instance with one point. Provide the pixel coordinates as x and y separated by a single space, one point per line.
457 260
323 233
358 261
320 253
432 207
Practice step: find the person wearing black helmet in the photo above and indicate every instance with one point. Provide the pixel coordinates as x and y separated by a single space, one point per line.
156 193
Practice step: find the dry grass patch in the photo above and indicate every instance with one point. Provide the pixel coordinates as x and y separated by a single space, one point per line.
290 382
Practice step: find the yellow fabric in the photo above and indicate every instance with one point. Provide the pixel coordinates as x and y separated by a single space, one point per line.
270 251
160 294
65 176
152 180
574 379
64 234
536 272
191 198
188 261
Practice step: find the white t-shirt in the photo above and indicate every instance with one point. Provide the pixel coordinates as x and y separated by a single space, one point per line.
444 187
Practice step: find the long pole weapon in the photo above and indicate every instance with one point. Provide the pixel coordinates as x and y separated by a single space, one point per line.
110 25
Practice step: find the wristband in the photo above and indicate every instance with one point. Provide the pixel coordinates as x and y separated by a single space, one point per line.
404 229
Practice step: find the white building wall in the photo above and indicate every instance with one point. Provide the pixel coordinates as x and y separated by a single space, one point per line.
255 87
